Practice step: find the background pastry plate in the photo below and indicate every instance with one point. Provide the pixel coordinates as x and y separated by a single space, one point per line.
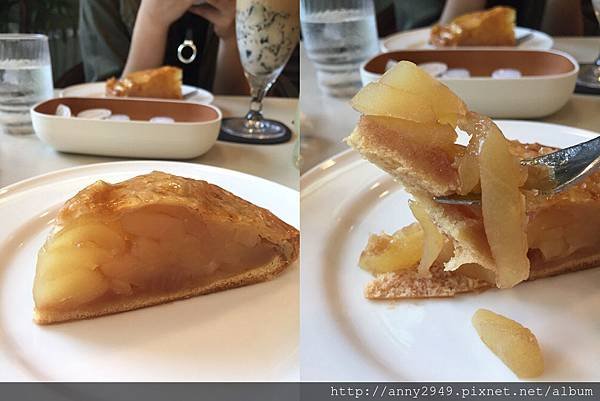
97 89
419 39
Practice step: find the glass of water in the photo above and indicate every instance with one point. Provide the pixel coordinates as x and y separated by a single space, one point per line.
339 35
25 79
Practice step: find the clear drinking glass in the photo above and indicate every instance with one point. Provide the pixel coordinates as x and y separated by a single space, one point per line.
25 79
267 33
339 35
589 74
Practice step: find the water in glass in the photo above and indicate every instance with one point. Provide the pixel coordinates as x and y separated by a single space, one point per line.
338 41
25 79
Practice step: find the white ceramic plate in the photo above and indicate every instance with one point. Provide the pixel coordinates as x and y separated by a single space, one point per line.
419 39
346 337
96 89
244 334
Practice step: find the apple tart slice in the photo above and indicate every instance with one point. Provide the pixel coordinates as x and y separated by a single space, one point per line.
408 128
493 27
152 239
163 82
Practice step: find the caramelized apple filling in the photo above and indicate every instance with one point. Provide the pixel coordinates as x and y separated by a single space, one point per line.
406 92
433 239
468 163
563 230
416 246
475 271
488 163
149 251
503 208
387 253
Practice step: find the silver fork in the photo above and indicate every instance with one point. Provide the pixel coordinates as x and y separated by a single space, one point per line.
550 173
524 38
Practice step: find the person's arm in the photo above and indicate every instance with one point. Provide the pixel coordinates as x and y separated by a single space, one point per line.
455 8
103 38
229 77
149 39
563 18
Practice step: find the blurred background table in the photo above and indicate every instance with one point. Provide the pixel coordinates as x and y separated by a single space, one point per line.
23 157
326 121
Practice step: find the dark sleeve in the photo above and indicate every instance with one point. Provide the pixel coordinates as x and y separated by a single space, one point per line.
104 39
529 12
201 71
288 83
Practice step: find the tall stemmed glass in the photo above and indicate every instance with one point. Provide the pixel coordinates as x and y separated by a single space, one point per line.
267 33
589 74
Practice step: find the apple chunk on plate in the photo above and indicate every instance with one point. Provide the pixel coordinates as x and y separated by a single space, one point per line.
387 253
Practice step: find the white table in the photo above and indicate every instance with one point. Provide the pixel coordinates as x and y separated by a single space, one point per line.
23 157
326 121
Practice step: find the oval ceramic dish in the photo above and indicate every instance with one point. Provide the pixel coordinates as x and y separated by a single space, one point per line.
547 81
193 133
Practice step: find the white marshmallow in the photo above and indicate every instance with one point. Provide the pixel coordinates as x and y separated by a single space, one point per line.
95 114
119 117
63 110
457 73
390 64
162 120
434 69
506 73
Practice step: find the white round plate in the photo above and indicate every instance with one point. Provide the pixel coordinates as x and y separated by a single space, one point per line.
97 89
244 334
419 39
346 337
